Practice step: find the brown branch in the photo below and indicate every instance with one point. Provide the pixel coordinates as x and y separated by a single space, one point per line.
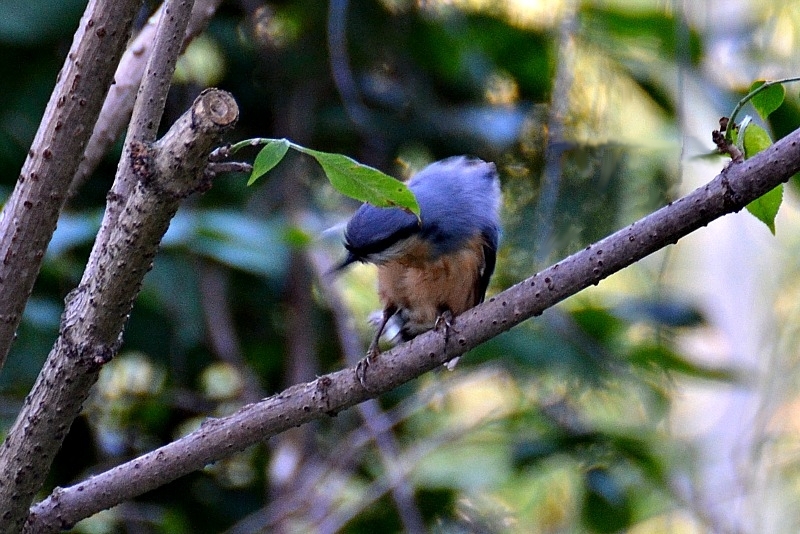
729 192
149 106
118 105
221 327
97 309
723 145
29 217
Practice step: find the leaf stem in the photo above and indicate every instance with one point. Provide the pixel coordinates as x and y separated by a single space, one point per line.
250 142
255 141
749 96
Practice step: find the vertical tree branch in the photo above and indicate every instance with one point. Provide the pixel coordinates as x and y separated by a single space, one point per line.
118 104
149 106
97 309
221 328
554 151
30 215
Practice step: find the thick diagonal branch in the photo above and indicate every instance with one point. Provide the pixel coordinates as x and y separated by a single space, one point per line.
729 192
29 217
97 309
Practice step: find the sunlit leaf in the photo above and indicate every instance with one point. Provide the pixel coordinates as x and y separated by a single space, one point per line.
364 183
270 155
755 140
769 99
764 208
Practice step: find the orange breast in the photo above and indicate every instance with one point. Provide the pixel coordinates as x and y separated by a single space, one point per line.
422 288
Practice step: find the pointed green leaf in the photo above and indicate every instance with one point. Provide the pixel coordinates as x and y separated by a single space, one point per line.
270 155
754 140
765 208
769 99
364 183
655 355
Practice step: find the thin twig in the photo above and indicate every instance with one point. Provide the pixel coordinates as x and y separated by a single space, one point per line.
150 99
748 97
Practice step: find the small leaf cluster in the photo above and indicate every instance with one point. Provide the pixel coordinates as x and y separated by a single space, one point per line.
750 139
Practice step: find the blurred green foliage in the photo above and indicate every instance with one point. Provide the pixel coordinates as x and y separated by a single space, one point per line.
555 426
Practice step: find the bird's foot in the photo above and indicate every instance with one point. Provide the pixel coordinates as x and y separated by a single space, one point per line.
444 321
361 367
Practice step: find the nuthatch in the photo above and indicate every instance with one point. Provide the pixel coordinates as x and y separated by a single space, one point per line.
431 270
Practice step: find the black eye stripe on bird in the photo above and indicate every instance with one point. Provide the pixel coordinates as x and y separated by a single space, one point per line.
439 268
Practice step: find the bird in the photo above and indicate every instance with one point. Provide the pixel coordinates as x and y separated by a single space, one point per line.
437 266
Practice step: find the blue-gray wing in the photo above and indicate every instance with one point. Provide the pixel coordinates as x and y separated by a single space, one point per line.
492 239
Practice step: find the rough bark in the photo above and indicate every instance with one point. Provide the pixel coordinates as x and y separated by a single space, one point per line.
29 217
729 192
96 311
146 116
118 105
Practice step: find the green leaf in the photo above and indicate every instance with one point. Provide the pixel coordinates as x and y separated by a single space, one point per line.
364 183
656 355
243 242
270 155
606 503
765 207
296 237
755 140
769 99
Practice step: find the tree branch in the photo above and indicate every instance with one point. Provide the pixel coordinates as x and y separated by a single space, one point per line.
118 104
97 309
730 191
149 106
29 217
